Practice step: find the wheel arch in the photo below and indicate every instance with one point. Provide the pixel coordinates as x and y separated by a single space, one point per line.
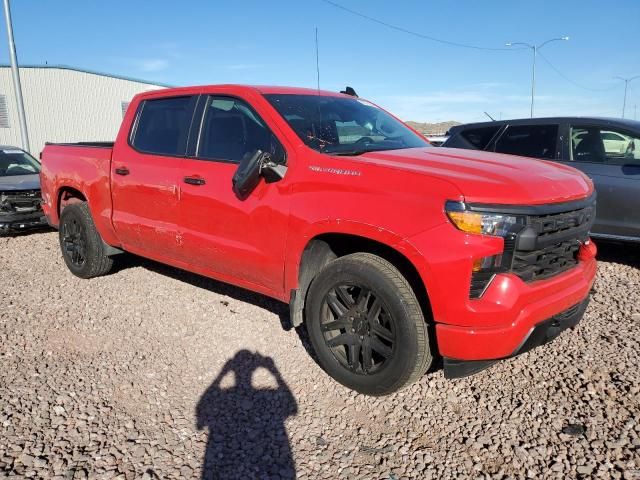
66 196
324 247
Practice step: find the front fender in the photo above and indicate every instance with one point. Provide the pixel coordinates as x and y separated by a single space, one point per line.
378 234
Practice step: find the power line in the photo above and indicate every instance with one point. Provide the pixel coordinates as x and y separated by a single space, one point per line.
555 69
411 32
457 44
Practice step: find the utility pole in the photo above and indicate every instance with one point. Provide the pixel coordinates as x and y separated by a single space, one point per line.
534 49
626 84
16 78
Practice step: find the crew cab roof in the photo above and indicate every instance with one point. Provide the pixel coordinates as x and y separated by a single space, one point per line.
262 89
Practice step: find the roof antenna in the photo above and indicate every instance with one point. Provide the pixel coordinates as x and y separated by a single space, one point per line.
492 119
317 61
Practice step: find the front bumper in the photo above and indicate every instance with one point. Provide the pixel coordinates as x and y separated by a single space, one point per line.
540 334
521 307
21 221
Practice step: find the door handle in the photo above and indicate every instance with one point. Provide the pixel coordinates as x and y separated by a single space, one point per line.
122 171
194 180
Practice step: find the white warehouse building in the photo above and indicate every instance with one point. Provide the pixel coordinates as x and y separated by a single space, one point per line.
65 104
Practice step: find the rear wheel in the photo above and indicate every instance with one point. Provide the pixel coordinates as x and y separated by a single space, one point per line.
366 325
80 242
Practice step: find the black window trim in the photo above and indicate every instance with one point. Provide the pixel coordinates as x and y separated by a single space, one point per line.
193 145
136 121
570 160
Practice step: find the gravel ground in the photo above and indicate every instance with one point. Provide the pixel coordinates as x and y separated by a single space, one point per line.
151 372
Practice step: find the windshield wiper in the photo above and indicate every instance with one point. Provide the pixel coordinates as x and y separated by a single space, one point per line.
350 153
354 153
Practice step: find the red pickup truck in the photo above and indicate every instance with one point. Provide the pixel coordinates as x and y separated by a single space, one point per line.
390 251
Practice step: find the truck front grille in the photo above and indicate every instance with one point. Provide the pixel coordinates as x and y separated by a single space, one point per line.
546 262
557 240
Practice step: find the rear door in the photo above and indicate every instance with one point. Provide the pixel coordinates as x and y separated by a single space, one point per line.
145 172
237 239
611 157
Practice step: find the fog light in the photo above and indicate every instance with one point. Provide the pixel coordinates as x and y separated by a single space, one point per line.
483 271
487 263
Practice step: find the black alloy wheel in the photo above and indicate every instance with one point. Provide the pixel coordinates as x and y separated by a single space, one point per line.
82 247
366 325
74 241
357 328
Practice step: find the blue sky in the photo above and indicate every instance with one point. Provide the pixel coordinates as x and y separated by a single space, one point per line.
272 42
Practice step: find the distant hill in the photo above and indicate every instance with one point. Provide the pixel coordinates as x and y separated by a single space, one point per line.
432 128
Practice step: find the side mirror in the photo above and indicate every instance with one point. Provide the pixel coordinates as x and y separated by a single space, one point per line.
252 166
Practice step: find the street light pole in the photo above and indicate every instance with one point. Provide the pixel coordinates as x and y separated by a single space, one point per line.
534 49
626 84
533 78
16 78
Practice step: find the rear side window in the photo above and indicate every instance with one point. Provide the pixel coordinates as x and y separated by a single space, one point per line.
480 137
162 126
537 141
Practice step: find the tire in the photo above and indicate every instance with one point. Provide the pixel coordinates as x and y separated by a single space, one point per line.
366 325
81 244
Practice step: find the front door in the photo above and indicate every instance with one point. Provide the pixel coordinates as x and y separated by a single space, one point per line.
145 173
234 238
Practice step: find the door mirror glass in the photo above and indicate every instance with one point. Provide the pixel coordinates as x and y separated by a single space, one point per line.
253 166
247 176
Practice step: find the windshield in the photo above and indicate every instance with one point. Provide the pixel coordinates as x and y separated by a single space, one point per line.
16 162
343 126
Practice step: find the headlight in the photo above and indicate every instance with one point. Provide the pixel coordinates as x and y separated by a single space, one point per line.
479 222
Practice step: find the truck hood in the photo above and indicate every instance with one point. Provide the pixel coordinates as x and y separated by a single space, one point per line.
487 177
20 182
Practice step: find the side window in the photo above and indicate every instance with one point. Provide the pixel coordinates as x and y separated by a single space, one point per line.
231 129
162 126
620 148
587 145
480 137
537 141
604 145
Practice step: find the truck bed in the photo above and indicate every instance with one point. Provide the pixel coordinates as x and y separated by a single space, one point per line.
83 168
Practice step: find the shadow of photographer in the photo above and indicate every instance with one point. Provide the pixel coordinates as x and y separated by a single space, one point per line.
247 435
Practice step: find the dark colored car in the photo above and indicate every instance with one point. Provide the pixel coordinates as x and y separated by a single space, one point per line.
606 149
19 191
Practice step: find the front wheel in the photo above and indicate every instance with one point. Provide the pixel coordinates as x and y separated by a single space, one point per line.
366 325
81 244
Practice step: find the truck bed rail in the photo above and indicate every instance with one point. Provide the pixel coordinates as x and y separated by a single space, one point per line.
84 144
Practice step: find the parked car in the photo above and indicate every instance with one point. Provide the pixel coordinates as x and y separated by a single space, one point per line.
19 191
437 140
391 251
606 149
